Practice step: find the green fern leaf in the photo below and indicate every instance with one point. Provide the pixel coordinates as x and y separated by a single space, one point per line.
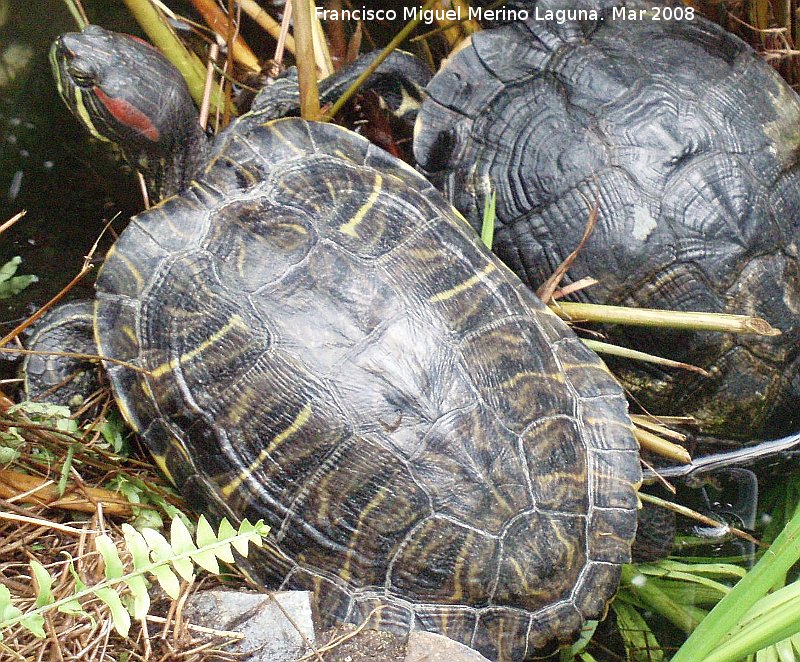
108 550
141 598
10 284
34 623
205 537
137 546
226 532
152 555
168 580
7 610
73 608
120 615
253 534
9 268
161 551
182 544
180 537
205 534
80 585
44 583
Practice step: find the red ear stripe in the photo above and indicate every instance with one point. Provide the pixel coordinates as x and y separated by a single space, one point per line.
129 115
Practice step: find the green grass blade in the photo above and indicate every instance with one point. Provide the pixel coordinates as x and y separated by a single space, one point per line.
768 572
647 591
641 644
777 617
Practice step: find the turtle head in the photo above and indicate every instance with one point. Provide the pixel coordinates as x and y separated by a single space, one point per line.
125 92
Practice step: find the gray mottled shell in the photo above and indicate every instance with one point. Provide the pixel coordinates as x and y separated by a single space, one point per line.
330 349
687 142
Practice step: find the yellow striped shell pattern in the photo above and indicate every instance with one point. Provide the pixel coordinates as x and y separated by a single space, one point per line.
329 347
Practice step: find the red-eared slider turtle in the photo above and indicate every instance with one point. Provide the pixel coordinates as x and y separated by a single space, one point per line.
322 342
687 143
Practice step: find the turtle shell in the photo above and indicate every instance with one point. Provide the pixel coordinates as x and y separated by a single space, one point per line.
687 144
322 343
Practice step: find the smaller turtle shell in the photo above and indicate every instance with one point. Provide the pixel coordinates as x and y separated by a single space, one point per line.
686 142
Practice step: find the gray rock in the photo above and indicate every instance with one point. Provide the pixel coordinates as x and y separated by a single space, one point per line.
269 636
429 647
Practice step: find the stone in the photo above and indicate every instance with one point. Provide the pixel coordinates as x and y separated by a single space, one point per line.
269 636
430 647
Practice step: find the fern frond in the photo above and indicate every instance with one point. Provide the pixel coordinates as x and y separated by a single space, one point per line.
152 556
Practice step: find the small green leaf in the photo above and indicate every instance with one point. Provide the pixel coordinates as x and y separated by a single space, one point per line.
147 518
80 585
207 560
120 615
8 455
7 610
159 547
41 411
255 532
69 425
10 284
161 551
168 580
182 543
15 285
205 534
180 537
9 268
205 537
108 550
141 598
34 623
44 583
112 431
226 532
65 469
136 545
73 608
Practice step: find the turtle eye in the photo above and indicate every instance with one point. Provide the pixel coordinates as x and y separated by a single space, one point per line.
80 77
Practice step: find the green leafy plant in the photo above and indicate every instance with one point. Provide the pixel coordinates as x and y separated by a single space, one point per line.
54 416
152 557
11 284
758 614
147 504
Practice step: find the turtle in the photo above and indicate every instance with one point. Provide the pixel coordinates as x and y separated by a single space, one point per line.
686 143
304 331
